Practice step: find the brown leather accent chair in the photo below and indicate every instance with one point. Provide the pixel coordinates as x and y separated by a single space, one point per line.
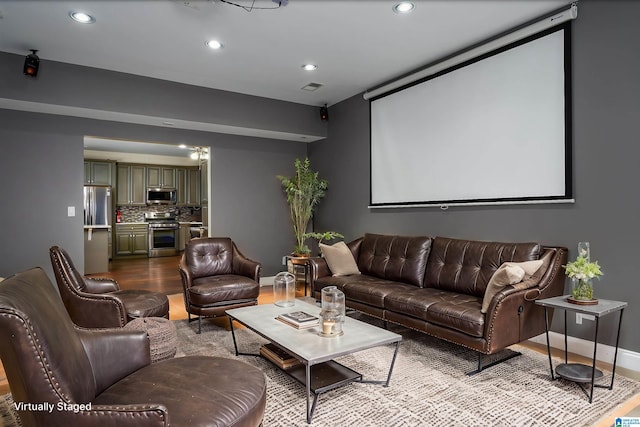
103 377
217 277
99 302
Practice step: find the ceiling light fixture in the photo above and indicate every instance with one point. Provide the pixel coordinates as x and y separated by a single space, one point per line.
213 44
81 17
404 7
199 153
309 67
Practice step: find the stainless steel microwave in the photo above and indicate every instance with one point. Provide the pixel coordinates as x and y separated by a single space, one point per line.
161 196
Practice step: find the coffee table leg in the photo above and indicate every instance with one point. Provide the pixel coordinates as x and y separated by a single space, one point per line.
308 386
233 335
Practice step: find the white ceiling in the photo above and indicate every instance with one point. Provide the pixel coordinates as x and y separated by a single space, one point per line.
356 44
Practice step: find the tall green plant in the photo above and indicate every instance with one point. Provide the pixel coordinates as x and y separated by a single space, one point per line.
304 191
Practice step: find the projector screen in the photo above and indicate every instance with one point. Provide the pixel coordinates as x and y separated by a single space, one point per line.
493 129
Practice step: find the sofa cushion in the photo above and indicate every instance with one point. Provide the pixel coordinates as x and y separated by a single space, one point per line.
397 258
414 302
372 290
459 312
465 266
339 259
507 274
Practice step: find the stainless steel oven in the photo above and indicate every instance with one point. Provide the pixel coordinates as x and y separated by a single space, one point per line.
164 232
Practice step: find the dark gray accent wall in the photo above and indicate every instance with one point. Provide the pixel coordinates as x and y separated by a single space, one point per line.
41 176
41 168
606 90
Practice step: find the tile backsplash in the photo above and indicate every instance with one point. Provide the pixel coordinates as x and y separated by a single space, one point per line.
136 213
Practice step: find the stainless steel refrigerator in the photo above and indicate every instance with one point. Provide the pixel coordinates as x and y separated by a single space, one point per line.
97 229
97 205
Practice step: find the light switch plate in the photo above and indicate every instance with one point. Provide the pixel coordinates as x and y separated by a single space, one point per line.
71 211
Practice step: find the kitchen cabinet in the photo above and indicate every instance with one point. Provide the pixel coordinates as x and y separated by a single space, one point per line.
193 187
161 177
98 173
181 186
188 186
132 239
131 187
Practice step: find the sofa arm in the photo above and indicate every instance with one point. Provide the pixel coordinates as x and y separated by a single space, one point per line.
317 268
114 353
512 306
100 285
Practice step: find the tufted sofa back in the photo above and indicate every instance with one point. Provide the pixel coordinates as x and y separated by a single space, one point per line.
396 258
465 266
209 256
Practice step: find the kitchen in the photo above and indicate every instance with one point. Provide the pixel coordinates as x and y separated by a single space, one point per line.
141 199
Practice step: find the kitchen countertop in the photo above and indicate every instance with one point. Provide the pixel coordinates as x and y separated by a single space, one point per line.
97 227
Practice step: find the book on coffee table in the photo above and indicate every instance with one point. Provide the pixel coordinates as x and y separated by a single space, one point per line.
299 319
278 356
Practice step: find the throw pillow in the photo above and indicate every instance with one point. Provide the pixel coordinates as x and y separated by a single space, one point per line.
339 259
529 268
506 274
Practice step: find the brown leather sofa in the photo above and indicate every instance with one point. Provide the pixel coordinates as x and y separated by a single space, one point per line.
436 285
103 377
217 277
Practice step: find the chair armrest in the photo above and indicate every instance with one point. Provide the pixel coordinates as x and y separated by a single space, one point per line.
185 273
244 266
98 311
100 285
114 353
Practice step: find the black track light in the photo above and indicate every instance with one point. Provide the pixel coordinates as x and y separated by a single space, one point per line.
31 64
324 113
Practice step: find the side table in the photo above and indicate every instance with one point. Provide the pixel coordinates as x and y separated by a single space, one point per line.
578 372
299 267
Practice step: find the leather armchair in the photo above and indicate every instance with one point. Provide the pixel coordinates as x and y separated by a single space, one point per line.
103 377
99 302
217 277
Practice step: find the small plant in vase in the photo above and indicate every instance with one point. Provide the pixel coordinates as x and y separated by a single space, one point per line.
582 271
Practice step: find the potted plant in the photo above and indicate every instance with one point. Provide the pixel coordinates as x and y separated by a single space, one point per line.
304 191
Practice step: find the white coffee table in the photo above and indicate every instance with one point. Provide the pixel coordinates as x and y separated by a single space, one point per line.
318 371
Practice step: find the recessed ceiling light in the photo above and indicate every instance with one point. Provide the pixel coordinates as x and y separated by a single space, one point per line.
82 17
404 7
309 67
214 44
182 146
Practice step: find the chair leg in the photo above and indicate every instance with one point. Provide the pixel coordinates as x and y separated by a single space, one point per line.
199 324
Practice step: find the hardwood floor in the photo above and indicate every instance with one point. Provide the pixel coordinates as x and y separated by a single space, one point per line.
152 274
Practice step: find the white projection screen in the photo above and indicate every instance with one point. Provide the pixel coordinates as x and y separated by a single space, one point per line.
494 129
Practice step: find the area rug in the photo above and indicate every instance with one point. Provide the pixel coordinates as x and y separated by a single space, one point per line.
429 386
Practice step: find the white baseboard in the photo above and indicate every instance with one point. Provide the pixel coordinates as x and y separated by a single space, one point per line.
267 281
626 359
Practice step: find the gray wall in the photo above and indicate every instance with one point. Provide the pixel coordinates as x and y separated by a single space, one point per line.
606 90
41 167
41 158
